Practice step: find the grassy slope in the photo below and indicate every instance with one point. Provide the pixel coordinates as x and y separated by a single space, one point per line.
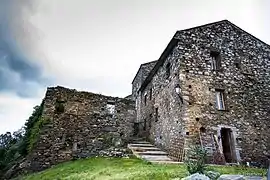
105 168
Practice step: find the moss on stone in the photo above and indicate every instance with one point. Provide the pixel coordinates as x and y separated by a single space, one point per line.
35 132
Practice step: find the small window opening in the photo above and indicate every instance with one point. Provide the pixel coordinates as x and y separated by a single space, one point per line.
197 119
145 99
168 70
156 114
110 107
238 65
144 125
215 60
189 86
187 133
238 139
220 99
150 96
202 130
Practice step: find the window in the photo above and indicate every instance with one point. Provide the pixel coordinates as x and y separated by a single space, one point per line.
156 114
220 100
215 60
238 64
145 99
110 107
150 96
168 70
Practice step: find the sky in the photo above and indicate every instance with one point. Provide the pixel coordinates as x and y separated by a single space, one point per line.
97 45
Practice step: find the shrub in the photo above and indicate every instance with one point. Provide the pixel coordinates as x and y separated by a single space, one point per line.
35 132
196 159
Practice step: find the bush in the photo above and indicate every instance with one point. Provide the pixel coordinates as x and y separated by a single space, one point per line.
35 132
196 160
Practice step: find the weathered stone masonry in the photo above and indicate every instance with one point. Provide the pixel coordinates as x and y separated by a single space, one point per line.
176 121
176 103
88 124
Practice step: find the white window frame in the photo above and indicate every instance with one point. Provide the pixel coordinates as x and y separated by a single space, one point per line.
213 63
111 108
220 100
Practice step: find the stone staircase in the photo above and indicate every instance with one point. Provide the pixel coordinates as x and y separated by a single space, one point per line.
144 150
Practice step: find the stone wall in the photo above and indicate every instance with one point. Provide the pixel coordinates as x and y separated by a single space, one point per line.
142 73
244 76
80 124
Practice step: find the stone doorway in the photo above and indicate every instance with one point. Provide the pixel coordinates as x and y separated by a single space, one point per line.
228 144
136 129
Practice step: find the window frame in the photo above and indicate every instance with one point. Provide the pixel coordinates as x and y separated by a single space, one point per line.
220 99
215 60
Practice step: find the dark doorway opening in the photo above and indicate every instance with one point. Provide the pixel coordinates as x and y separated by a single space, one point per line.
136 129
228 145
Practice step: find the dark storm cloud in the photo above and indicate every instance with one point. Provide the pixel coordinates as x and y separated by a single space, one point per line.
17 73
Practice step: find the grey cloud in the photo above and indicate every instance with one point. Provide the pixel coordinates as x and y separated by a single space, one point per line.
17 72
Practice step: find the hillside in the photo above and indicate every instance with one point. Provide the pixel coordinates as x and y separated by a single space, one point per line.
115 168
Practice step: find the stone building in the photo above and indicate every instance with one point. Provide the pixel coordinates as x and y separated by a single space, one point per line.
211 87
80 124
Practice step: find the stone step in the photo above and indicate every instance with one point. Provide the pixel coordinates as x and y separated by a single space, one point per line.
149 152
141 145
140 142
156 153
143 149
167 162
156 158
138 139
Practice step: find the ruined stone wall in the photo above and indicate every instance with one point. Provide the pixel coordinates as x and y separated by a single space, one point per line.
85 124
246 89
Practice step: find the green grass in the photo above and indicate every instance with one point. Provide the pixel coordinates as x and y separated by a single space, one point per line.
120 169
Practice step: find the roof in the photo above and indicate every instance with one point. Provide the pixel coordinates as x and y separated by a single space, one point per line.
141 66
173 43
159 63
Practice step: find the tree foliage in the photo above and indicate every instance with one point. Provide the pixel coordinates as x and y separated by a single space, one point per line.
14 146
